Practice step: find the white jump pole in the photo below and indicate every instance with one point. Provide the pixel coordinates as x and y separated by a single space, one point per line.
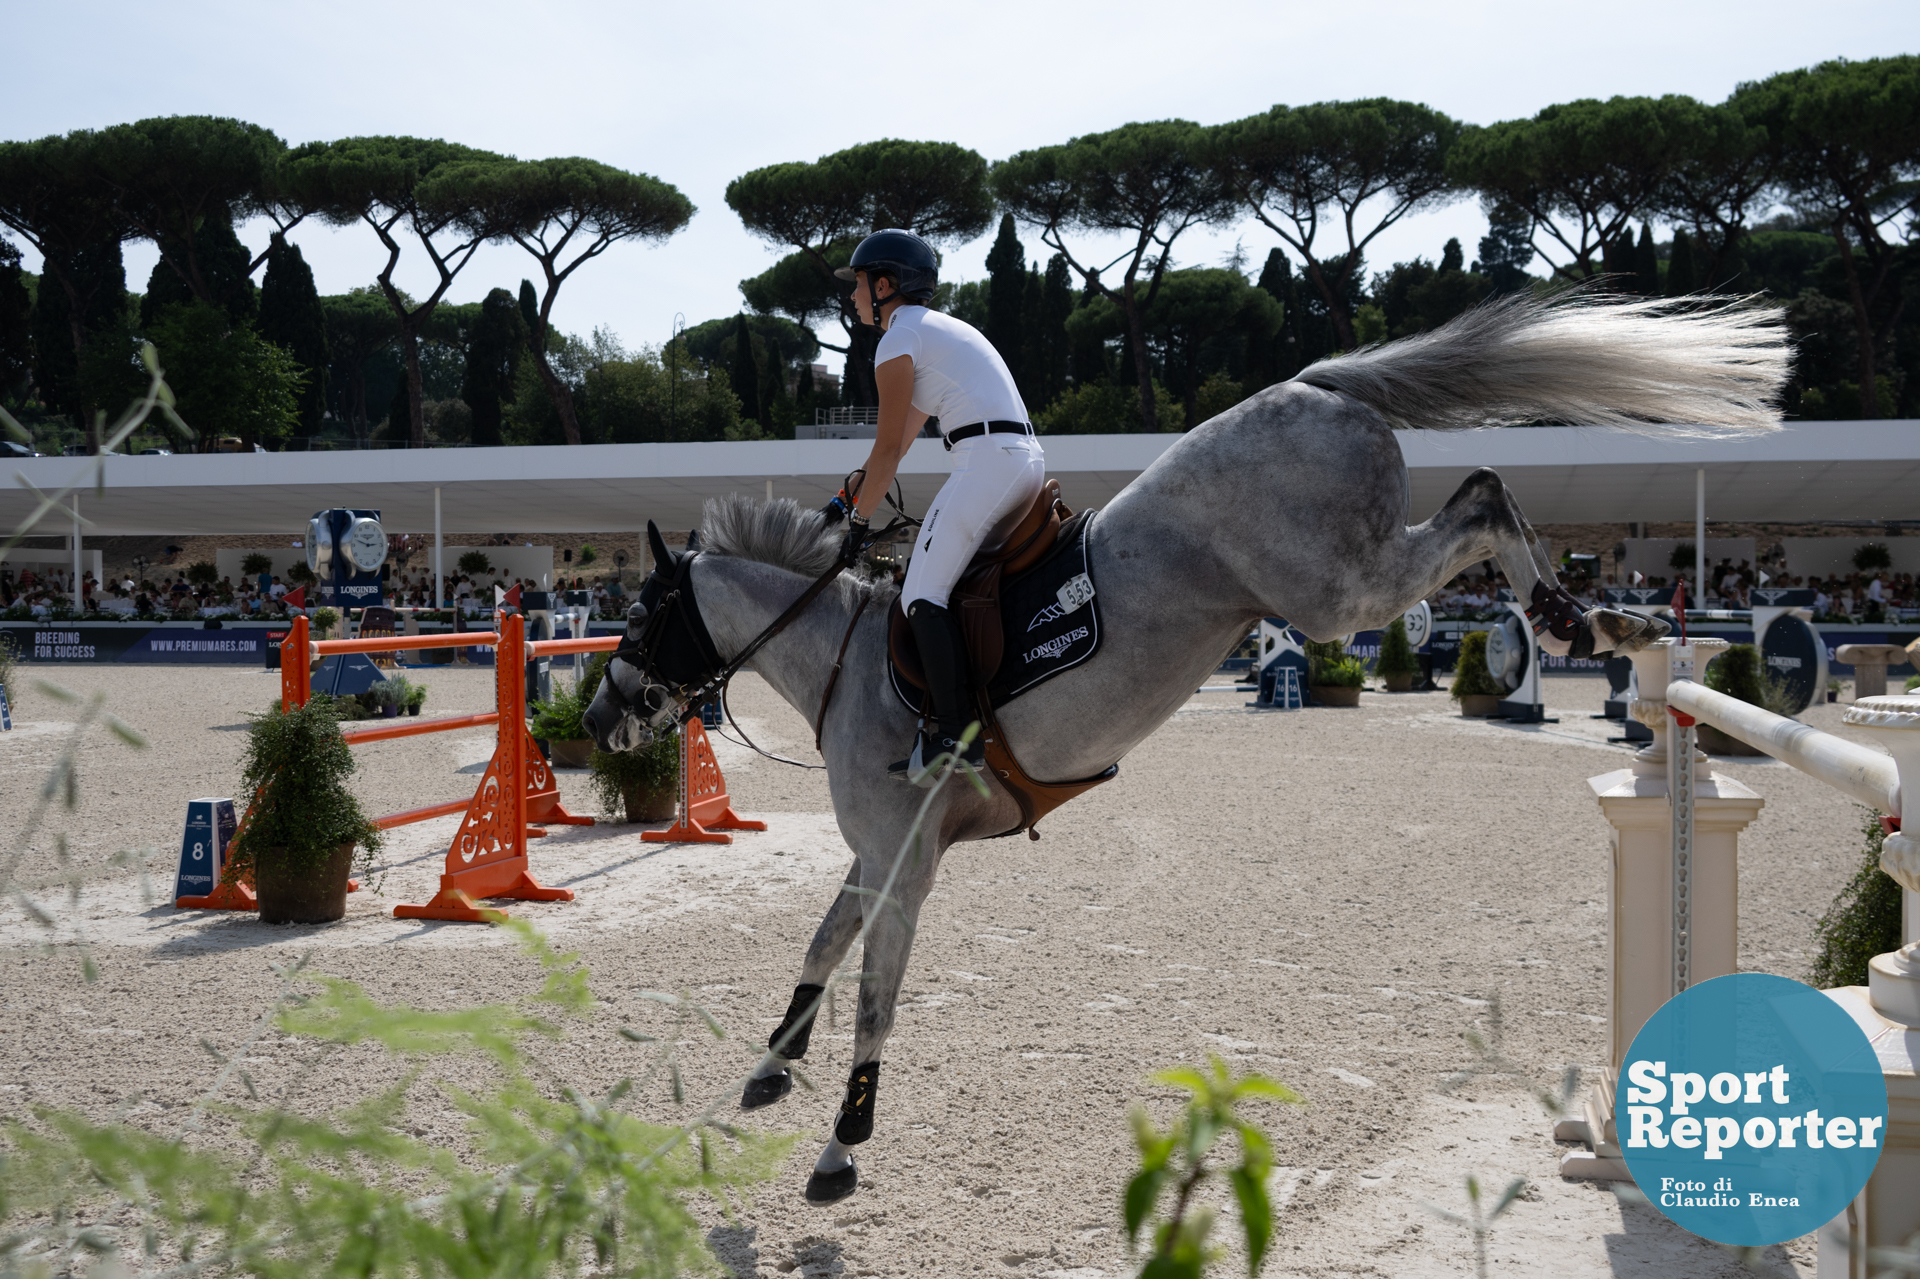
1700 537
439 580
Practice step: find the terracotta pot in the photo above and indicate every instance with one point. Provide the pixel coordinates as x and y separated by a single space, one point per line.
1399 683
316 896
1715 742
1479 705
570 754
652 803
1328 696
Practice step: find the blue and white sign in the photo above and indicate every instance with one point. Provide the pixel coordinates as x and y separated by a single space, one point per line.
203 849
1751 1109
6 712
346 547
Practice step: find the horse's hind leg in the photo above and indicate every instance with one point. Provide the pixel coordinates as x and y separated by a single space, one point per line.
1483 520
772 1080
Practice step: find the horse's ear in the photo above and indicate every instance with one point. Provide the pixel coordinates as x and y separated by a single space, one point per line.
693 541
658 545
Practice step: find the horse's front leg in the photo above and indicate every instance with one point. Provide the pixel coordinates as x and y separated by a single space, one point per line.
891 918
772 1079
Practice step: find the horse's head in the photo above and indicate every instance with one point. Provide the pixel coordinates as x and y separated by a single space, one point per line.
664 655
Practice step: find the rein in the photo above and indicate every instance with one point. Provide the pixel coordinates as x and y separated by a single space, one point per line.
720 675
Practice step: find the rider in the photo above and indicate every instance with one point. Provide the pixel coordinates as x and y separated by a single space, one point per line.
930 365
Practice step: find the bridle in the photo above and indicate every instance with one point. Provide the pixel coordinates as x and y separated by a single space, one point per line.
658 704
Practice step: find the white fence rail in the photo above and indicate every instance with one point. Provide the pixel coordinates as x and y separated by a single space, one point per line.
1860 772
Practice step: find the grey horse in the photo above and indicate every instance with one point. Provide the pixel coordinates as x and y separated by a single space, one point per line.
1294 503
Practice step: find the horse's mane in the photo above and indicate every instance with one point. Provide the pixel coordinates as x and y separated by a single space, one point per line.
780 533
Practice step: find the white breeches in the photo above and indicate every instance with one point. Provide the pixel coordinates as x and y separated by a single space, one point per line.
995 479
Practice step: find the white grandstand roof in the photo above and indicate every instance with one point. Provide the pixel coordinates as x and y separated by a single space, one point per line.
1809 471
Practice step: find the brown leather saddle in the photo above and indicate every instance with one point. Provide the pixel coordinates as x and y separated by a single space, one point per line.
977 600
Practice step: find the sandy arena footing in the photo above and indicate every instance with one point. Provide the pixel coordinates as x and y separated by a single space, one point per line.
1330 896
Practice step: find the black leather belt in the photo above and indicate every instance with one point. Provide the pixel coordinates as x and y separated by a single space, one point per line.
986 428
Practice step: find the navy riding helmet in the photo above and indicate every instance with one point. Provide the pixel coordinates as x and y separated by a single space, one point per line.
906 257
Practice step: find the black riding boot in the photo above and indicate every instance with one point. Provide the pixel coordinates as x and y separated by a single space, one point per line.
943 658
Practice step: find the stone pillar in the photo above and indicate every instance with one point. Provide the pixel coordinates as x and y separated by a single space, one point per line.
1887 1213
1869 662
1640 892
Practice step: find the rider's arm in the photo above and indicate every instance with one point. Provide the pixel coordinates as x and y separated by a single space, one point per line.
900 422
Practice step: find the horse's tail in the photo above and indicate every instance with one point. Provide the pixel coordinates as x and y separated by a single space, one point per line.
1672 367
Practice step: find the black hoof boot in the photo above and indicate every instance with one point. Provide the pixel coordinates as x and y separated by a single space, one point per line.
856 1112
831 1187
764 1092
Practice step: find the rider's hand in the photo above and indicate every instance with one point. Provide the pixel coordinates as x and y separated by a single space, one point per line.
856 539
835 511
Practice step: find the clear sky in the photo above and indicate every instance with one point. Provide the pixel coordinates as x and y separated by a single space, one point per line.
697 95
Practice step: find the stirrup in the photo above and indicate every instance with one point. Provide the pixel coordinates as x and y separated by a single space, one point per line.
916 768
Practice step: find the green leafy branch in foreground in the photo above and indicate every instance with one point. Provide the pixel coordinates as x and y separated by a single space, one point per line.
1177 1160
565 1181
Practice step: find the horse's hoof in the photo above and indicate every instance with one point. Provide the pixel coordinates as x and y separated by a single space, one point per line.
764 1092
831 1187
1621 632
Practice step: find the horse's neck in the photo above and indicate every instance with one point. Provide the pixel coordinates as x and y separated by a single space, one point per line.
739 599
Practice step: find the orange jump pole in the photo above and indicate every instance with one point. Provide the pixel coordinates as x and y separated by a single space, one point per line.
489 853
705 809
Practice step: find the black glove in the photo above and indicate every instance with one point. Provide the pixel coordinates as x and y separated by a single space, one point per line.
835 511
856 540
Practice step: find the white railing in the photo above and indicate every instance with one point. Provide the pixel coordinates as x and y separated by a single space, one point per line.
1860 772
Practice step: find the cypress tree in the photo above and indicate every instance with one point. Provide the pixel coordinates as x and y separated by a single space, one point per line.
103 378
1452 257
1728 269
291 318
1680 278
1006 294
1283 359
1056 304
805 402
1646 264
495 346
775 407
16 332
745 373
529 306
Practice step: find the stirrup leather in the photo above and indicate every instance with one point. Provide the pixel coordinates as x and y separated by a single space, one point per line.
1556 613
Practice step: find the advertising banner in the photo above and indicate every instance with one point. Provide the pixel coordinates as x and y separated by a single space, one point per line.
69 643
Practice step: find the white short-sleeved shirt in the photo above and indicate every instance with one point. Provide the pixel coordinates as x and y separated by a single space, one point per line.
957 375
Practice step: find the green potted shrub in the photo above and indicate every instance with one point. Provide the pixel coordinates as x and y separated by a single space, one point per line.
1473 684
255 563
1737 672
299 835
322 620
643 783
1397 663
391 694
1334 676
416 698
557 722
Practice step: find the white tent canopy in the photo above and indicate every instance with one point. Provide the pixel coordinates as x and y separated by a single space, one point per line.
1808 471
